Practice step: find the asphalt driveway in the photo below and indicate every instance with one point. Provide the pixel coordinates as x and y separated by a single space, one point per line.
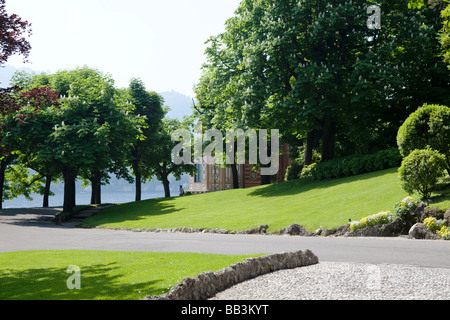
34 229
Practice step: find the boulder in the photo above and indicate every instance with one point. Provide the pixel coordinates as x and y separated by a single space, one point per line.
393 229
296 230
263 228
447 218
420 231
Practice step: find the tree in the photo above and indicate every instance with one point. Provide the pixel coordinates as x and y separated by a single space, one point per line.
12 41
444 35
150 106
12 35
426 127
315 70
90 132
159 162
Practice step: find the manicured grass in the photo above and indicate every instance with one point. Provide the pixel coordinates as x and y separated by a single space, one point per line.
42 275
329 204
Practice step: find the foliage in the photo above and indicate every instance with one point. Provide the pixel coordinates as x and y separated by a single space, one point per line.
294 170
384 217
444 233
87 132
438 227
150 106
12 35
433 224
352 165
401 209
444 35
426 127
421 170
314 65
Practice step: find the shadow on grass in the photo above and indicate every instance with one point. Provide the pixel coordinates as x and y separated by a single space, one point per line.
302 185
132 211
98 282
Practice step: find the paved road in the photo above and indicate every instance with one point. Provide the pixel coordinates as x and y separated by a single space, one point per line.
33 229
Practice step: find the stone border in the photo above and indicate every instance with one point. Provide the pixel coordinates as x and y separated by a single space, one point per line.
207 284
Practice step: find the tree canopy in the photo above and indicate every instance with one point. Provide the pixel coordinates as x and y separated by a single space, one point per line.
314 69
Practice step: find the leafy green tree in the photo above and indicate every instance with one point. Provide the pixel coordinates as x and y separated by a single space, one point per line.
90 133
444 35
159 162
315 66
150 106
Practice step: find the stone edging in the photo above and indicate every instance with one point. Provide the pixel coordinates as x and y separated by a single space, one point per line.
207 284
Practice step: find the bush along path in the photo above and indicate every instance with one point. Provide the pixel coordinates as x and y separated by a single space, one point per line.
410 218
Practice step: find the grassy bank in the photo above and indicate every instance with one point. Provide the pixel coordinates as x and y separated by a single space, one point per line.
328 204
42 275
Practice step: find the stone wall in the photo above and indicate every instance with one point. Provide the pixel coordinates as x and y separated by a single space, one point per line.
208 284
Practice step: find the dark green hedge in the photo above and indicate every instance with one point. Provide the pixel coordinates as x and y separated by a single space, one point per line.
353 165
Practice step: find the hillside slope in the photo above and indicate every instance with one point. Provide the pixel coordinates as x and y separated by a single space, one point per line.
329 204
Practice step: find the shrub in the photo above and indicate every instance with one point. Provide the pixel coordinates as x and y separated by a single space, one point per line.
384 217
421 170
353 165
402 208
433 224
444 233
294 170
438 227
307 171
428 126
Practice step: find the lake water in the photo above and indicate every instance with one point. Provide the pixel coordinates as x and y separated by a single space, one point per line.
117 192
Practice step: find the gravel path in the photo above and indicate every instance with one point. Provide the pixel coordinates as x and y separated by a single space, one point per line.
346 281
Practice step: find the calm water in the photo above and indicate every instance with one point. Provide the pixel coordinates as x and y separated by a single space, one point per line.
119 192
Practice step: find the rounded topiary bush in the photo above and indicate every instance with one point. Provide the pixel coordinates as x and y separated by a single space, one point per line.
421 170
426 127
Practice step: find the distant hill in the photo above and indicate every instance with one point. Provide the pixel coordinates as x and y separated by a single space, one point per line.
180 105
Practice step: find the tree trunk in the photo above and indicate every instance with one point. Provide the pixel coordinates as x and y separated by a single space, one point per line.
166 184
137 174
328 136
234 170
265 180
69 189
307 158
48 182
3 165
96 189
138 185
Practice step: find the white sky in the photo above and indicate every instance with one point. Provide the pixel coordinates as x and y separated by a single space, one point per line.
159 41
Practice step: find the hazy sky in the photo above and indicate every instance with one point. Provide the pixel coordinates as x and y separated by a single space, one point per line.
159 41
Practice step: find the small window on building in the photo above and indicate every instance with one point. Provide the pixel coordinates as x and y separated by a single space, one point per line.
198 175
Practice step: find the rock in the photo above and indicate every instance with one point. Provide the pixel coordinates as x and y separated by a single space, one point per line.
420 231
328 232
342 230
393 229
432 212
263 228
296 230
447 218
364 232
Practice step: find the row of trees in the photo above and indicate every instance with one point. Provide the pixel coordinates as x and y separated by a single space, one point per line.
75 124
314 70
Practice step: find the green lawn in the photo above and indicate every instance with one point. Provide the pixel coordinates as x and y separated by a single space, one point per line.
42 275
329 204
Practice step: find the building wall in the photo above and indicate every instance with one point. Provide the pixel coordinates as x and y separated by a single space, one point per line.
215 178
